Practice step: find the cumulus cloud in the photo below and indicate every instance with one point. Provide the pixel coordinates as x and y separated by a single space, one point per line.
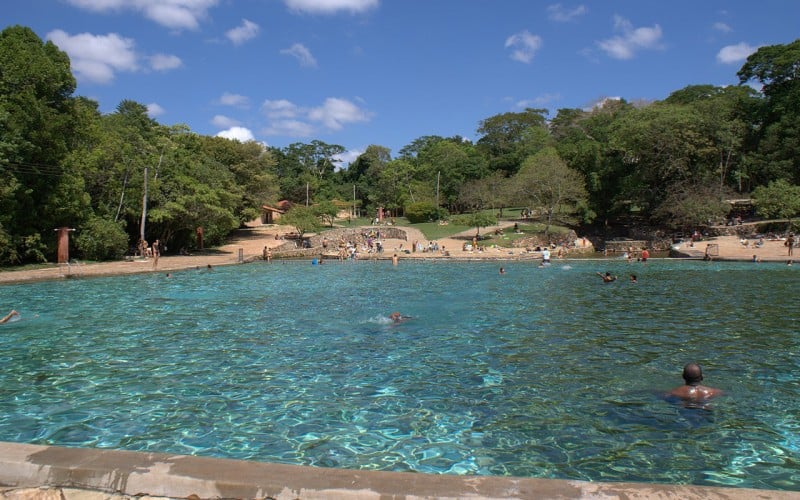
96 58
330 6
335 113
559 13
223 121
733 54
174 14
234 100
302 54
631 40
289 119
523 46
247 31
280 109
289 128
154 110
240 134
165 62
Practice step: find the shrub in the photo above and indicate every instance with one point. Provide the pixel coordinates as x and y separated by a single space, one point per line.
424 211
101 239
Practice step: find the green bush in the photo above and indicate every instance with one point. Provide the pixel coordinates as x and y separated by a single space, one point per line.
101 239
424 211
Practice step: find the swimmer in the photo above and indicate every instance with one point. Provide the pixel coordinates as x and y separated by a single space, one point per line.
607 278
502 271
633 278
396 317
8 317
692 391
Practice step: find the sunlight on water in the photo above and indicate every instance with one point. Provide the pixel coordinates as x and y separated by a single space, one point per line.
538 372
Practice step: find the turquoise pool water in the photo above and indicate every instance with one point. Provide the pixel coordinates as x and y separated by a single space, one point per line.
539 372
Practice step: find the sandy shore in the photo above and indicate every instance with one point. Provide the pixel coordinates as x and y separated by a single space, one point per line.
252 242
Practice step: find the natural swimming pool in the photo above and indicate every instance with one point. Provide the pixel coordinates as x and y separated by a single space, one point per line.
539 372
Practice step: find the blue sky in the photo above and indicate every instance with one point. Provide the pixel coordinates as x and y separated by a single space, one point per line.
361 72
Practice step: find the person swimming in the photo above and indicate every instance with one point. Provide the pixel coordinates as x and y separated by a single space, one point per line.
8 317
396 317
693 392
607 278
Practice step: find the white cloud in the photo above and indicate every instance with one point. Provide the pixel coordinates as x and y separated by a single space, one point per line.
524 46
557 12
631 40
289 119
335 113
733 54
223 121
96 58
175 14
164 62
289 128
154 110
347 158
247 31
235 100
538 101
240 134
280 109
330 6
302 54
722 27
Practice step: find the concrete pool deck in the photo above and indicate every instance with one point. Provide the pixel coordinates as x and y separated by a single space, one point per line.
35 472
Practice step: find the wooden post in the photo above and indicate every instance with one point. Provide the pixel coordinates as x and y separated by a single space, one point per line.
63 244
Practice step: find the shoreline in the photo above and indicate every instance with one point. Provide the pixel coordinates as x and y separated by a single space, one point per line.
247 249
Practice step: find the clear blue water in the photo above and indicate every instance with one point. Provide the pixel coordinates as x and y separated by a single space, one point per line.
539 372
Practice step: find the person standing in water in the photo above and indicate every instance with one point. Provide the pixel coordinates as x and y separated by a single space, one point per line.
693 391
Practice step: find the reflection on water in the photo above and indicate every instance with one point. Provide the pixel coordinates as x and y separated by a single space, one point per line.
538 372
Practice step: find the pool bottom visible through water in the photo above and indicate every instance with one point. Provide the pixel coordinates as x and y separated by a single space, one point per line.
540 372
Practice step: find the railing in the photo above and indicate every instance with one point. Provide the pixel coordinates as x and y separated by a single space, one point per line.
69 265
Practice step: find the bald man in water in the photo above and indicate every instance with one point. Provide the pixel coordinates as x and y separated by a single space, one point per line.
693 391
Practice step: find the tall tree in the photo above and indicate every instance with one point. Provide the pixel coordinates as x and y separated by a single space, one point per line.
508 138
547 185
37 123
777 68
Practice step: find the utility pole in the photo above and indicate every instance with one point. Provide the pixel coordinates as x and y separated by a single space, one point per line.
438 175
144 207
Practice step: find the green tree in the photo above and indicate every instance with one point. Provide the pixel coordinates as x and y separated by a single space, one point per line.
691 205
326 211
779 199
476 220
302 218
101 239
547 185
777 68
37 127
508 138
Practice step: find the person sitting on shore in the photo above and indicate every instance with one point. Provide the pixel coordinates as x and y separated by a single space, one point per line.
8 317
693 391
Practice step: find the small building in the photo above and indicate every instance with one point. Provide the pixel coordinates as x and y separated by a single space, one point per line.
272 214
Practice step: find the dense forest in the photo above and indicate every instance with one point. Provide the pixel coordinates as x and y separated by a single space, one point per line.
670 163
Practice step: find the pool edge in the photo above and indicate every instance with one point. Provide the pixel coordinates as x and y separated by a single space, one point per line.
127 473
